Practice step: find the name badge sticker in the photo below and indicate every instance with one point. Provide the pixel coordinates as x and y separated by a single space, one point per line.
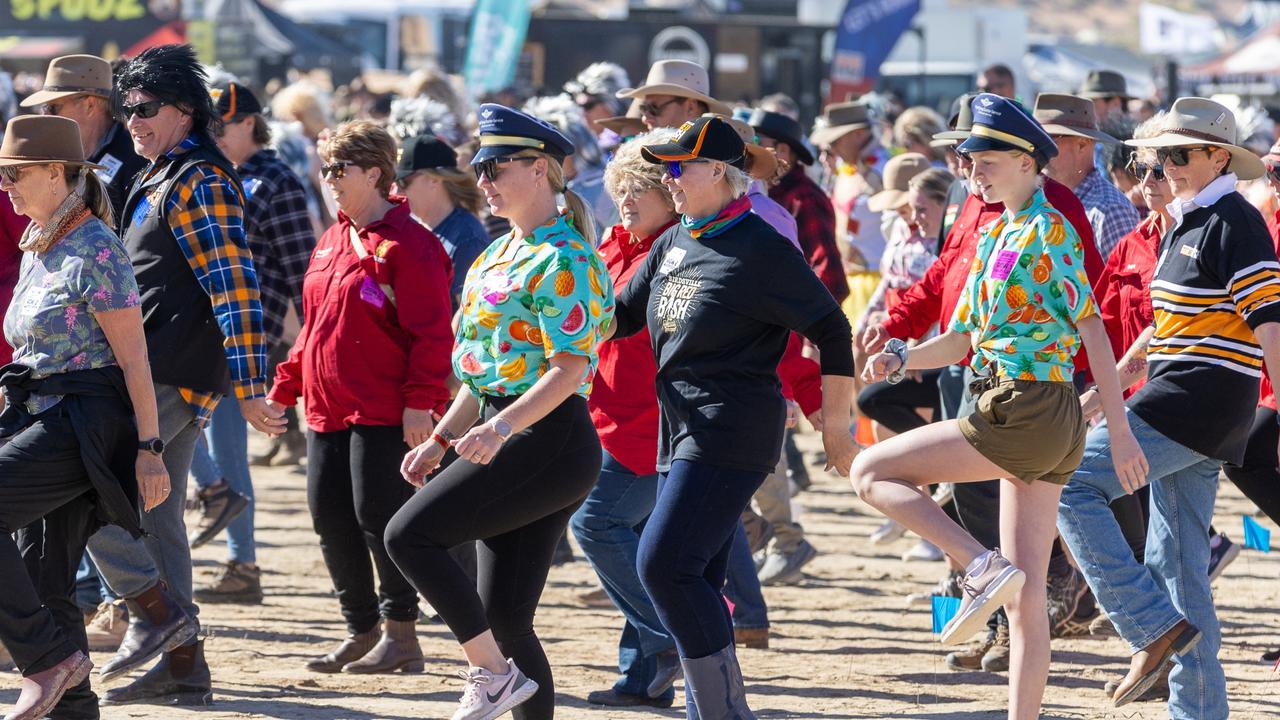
1004 264
371 293
1190 252
671 260
111 166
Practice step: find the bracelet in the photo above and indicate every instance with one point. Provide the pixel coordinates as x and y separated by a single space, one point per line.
437 437
898 348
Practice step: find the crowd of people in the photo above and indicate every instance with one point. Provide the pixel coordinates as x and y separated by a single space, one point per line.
1034 333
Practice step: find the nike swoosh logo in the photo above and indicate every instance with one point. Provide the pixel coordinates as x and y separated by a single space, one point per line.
493 697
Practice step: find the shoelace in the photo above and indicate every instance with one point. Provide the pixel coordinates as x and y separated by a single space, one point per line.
474 679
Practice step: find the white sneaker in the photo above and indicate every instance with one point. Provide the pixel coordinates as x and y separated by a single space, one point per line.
487 696
945 493
887 533
923 551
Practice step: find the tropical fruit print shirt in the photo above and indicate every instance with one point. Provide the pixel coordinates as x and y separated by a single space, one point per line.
526 300
1025 295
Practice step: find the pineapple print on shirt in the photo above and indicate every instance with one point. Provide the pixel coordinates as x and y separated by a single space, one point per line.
1026 292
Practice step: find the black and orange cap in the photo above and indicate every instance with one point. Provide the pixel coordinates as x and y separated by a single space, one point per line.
233 99
706 138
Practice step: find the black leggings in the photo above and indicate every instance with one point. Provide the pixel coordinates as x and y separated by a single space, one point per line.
517 506
895 406
353 488
1257 477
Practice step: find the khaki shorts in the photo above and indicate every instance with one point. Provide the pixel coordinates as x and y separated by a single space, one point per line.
1034 430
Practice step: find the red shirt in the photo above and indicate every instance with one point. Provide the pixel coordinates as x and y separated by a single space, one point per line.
12 225
1124 292
934 298
815 227
361 359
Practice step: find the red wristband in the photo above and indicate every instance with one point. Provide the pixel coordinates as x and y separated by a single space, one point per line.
440 439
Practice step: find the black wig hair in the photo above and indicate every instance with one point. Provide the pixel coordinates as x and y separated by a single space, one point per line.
171 73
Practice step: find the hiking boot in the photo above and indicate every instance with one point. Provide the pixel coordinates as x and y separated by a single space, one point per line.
1158 692
488 696
989 582
1079 624
349 650
107 627
180 678
43 690
397 651
1222 552
754 638
236 584
1148 664
970 658
887 533
156 624
923 551
219 505
1064 593
786 568
997 657
948 586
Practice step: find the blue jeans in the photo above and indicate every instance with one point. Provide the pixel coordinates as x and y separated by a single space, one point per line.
742 585
224 455
607 526
1144 601
90 590
684 551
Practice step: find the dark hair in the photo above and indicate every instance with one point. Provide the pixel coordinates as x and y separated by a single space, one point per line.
171 73
261 130
1000 70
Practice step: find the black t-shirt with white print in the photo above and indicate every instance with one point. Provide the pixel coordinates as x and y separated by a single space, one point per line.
719 311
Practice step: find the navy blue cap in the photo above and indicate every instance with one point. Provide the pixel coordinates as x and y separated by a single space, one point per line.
1002 124
504 132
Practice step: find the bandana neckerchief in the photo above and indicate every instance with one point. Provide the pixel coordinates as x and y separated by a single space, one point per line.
716 224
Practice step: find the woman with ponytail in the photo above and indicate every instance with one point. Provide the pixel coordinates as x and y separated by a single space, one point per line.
533 309
79 396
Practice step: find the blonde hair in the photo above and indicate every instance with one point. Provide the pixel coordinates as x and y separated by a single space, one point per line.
629 171
366 144
916 126
84 182
461 187
935 183
1149 128
577 207
739 181
301 102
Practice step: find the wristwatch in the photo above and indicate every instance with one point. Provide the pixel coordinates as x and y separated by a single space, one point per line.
155 446
899 348
501 427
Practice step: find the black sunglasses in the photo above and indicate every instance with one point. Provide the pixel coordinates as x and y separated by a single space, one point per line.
1180 156
488 169
144 110
337 168
11 173
1139 170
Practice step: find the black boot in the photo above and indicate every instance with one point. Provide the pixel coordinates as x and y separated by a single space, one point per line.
156 624
180 678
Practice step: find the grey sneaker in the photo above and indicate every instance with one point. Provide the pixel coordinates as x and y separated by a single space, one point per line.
785 568
487 696
989 582
1222 552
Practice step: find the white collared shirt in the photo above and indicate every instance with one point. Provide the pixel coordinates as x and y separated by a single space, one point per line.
1222 186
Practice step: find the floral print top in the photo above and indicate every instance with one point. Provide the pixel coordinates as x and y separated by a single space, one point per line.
1026 294
526 300
50 323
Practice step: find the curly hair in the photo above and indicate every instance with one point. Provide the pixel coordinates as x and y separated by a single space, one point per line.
601 80
366 144
171 73
628 171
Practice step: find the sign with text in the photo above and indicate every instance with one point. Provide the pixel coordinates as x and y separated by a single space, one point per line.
867 32
99 23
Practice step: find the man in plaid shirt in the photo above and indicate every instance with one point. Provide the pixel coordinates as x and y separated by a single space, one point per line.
183 226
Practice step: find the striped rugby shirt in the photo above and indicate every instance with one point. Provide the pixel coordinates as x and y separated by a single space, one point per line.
1217 278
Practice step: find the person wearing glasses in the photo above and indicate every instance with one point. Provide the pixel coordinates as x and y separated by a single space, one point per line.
719 295
371 364
534 308
595 91
79 87
675 92
1215 297
183 225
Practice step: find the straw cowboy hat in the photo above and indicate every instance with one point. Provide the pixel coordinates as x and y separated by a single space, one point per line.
679 78
72 75
839 120
625 125
1105 84
1198 121
43 139
897 180
1069 115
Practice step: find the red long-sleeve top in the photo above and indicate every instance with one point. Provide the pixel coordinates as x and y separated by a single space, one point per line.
1123 293
360 358
934 298
624 401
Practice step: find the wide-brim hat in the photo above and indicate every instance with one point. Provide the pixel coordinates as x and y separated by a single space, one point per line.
1199 121
707 137
1069 115
897 180
625 125
763 163
961 123
1272 158
839 120
678 78
43 139
72 75
783 129
1105 84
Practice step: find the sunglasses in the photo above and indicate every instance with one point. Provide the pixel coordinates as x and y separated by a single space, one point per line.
1139 170
337 169
1273 171
589 104
52 108
144 110
488 169
11 173
655 109
675 167
1180 156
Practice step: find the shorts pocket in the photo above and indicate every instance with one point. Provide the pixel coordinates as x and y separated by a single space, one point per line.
994 404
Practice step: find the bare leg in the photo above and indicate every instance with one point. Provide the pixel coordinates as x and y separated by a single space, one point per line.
893 476
482 651
1027 528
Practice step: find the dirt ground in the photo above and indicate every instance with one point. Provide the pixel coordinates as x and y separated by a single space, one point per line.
844 645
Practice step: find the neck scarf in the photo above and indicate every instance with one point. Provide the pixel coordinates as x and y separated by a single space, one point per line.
712 226
69 214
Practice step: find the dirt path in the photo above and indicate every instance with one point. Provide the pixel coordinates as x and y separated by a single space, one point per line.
844 643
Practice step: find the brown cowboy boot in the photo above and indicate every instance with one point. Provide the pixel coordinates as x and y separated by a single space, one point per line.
1147 665
41 691
352 648
397 651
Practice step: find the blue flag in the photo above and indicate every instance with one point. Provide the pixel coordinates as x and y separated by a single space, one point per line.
1256 536
498 28
944 608
867 32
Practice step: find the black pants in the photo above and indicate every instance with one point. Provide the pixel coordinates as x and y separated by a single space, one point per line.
47 500
1256 476
354 487
517 506
895 406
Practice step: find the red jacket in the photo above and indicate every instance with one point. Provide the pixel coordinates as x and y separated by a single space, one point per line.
361 359
12 225
1123 294
934 298
624 402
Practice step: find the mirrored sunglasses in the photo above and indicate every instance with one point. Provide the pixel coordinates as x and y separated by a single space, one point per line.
675 167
